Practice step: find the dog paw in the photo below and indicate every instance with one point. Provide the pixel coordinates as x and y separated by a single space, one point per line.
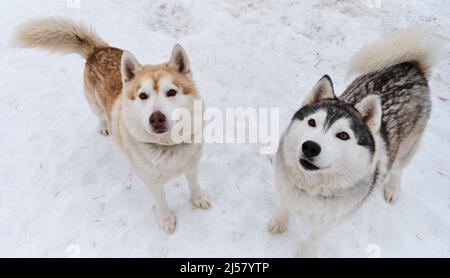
104 130
201 201
169 223
390 195
276 226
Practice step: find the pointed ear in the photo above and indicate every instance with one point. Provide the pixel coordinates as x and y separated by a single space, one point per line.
371 111
179 60
129 67
323 90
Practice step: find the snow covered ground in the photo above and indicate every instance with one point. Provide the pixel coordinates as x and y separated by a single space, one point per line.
67 191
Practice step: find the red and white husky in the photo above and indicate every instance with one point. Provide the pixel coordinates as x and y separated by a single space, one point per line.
134 103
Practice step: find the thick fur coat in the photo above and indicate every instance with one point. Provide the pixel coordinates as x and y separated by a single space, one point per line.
337 150
134 102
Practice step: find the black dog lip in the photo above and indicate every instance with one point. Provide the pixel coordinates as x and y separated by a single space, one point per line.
308 165
160 131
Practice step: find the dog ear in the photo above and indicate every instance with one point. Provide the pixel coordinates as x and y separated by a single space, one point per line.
323 90
129 66
179 60
371 111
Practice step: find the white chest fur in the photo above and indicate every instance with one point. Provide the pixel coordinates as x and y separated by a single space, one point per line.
317 207
159 164
153 163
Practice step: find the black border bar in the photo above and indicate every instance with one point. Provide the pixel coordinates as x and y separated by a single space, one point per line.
224 267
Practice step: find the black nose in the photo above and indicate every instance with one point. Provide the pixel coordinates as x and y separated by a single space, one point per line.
158 120
311 149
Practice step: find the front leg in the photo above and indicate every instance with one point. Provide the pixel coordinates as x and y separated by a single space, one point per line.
278 223
167 219
312 245
198 196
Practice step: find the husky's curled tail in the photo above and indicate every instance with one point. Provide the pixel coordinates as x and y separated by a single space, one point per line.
58 35
397 70
386 108
410 45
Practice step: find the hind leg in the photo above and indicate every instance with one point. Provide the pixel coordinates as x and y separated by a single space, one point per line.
99 111
103 126
393 186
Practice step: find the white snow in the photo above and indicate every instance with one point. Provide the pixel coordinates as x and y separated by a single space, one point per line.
67 191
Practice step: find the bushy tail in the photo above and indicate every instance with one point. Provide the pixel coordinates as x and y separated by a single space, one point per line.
410 45
58 35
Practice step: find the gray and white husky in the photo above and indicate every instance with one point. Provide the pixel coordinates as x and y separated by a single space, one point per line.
338 149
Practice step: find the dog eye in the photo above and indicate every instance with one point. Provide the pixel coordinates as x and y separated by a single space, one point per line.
143 96
172 93
343 136
312 123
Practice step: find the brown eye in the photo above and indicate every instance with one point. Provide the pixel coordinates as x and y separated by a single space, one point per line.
312 123
172 93
143 96
343 136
